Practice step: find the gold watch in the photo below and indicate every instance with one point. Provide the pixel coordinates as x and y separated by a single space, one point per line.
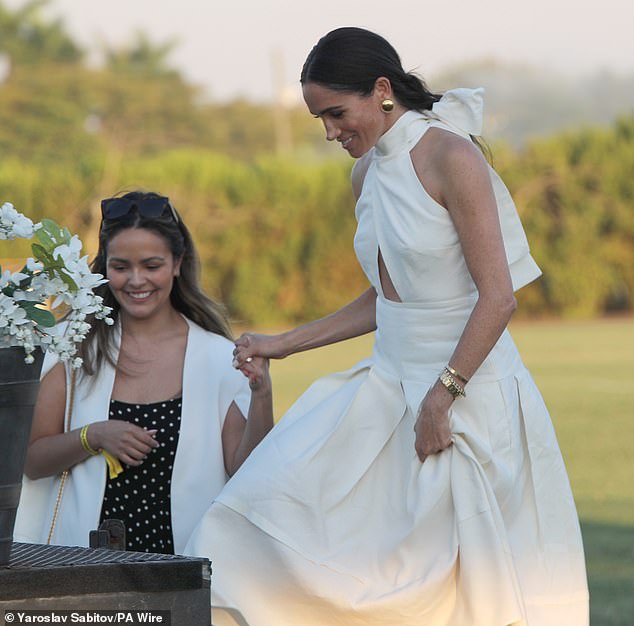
453 387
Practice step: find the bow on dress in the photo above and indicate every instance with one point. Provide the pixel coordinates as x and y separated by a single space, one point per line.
462 109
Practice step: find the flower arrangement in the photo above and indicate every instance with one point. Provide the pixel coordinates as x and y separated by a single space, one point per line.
57 275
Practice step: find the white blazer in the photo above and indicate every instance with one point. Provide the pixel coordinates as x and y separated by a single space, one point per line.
210 385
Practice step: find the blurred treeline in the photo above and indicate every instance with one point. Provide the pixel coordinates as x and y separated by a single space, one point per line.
274 221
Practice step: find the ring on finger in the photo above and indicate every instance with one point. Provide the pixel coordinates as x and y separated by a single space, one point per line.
249 359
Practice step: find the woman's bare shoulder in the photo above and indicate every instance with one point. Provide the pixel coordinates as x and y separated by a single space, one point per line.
444 147
442 157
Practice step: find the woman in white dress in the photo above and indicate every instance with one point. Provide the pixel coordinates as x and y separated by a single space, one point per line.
425 485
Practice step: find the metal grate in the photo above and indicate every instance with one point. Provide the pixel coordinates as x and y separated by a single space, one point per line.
25 555
43 571
45 578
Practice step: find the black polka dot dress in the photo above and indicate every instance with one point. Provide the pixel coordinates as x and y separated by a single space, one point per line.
140 496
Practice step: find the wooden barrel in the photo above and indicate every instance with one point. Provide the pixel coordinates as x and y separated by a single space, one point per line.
19 383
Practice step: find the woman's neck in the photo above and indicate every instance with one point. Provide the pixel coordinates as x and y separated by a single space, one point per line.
167 322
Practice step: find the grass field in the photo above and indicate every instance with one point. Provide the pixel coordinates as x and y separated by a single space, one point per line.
585 371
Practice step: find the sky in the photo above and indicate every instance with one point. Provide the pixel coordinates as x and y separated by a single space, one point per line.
256 48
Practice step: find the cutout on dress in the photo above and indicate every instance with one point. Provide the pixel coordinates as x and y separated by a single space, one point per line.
387 286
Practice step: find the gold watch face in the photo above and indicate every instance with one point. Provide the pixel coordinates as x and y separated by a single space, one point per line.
447 380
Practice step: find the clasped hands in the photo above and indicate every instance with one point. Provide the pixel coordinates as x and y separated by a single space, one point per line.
251 357
432 427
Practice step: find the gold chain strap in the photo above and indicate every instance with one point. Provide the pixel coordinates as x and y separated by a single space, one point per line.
69 414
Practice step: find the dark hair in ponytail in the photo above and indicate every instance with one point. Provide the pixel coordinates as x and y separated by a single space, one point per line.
351 59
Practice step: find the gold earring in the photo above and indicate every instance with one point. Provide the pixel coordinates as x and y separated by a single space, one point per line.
387 105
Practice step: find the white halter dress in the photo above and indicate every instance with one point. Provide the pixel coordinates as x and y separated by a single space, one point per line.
333 520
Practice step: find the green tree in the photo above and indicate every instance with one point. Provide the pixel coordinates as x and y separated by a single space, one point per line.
27 39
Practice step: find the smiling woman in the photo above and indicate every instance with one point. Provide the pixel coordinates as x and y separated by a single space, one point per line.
156 395
424 485
347 117
141 271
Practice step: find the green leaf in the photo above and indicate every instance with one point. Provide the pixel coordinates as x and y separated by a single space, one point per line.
40 253
52 265
45 239
42 317
52 234
68 280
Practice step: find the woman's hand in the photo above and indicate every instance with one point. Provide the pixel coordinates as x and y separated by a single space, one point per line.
240 436
128 442
433 432
257 371
250 345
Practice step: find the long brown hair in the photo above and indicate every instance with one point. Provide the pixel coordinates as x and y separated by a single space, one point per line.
186 296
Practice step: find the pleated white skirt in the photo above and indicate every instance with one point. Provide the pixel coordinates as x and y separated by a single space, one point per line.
334 520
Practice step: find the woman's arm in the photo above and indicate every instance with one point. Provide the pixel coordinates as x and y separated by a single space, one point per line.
51 450
240 436
463 186
354 319
469 198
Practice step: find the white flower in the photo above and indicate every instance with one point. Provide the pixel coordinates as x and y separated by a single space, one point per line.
5 278
34 266
14 224
18 277
69 252
26 296
24 319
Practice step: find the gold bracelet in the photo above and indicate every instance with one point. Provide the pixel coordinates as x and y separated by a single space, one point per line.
458 375
452 385
83 437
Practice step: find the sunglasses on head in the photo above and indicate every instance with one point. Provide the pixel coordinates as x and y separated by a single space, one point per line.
148 206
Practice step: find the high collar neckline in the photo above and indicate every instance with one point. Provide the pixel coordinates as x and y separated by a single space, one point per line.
392 140
461 109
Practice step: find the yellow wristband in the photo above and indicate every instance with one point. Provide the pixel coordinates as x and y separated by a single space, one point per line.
83 437
114 466
113 463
